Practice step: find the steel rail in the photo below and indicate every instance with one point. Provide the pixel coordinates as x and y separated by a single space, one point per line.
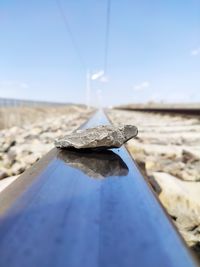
75 209
181 111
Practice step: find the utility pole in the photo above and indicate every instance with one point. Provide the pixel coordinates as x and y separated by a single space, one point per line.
88 89
94 76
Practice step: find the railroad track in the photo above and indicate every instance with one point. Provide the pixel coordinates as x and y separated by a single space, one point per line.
88 209
191 111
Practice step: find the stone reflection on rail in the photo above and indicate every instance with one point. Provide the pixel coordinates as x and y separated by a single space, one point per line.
95 164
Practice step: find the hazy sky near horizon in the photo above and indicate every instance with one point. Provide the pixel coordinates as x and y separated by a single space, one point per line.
154 50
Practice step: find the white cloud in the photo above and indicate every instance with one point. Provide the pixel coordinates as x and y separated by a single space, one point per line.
100 76
195 52
141 86
97 75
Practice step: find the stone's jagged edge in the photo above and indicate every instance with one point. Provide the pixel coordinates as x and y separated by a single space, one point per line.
102 137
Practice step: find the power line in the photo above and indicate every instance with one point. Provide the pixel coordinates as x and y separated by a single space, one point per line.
107 35
68 28
73 41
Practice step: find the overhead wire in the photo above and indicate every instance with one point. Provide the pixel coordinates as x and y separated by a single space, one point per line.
107 35
71 35
73 41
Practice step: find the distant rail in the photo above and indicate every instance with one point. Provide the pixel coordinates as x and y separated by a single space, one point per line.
163 108
75 209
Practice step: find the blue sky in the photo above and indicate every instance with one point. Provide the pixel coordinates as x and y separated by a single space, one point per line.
154 50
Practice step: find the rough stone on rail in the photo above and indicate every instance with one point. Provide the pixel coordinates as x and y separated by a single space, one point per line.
100 137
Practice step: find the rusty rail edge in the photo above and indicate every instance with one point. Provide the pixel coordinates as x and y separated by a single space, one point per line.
75 209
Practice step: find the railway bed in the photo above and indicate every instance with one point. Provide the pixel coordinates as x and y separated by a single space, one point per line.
87 209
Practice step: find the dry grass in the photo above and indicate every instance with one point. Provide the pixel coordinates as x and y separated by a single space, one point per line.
19 116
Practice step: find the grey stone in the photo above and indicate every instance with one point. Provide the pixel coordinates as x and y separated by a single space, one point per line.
18 167
3 173
7 145
182 201
101 137
24 144
190 155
